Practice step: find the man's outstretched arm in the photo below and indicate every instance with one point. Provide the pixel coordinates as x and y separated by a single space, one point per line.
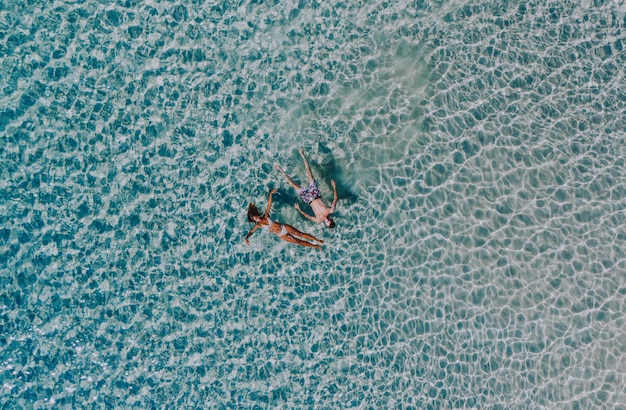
336 198
307 216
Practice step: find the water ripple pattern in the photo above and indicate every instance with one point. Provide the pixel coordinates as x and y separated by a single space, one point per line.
479 256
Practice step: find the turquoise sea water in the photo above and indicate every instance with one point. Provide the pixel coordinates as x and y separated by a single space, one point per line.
479 257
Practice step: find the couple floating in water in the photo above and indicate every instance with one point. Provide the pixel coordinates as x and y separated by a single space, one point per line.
309 194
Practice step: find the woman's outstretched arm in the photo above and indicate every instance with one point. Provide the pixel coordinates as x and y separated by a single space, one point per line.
254 228
269 202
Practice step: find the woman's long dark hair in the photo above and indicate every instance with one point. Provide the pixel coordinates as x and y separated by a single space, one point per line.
252 211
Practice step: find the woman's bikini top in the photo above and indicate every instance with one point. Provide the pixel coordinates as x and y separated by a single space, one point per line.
283 230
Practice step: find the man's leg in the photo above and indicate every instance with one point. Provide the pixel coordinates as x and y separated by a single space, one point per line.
306 165
289 180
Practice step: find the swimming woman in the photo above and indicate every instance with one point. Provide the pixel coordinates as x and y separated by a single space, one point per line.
311 195
285 232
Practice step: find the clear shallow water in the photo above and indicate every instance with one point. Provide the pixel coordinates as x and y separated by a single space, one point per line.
478 258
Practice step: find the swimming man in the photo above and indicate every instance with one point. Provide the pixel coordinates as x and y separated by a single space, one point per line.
311 195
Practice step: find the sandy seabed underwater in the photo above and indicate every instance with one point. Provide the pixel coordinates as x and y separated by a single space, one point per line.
479 256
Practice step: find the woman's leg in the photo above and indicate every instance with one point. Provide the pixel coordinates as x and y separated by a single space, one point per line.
297 241
293 231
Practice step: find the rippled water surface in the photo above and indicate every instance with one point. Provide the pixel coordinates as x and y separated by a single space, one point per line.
479 255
